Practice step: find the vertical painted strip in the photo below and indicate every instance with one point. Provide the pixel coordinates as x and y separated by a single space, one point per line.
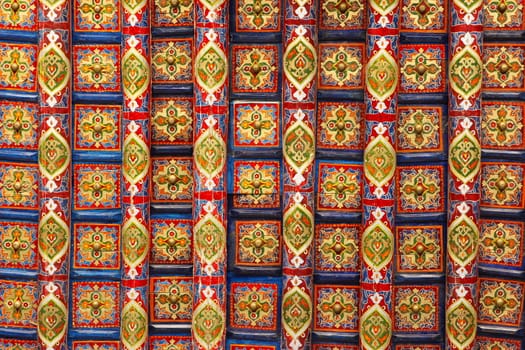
464 159
135 169
377 240
299 106
54 160
209 158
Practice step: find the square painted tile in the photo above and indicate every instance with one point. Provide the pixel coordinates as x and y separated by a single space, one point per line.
18 186
171 241
254 306
495 343
341 66
420 129
501 243
502 125
95 345
339 186
258 15
256 125
171 61
96 186
96 246
503 15
256 184
96 68
420 189
19 125
173 14
422 68
502 185
171 299
95 304
170 342
97 16
18 302
337 248
18 15
172 180
18 344
18 245
333 346
419 249
97 128
255 68
172 121
18 66
340 126
336 308
426 16
416 309
258 243
341 15
503 68
500 302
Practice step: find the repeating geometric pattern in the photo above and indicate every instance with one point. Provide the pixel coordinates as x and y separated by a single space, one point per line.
87 142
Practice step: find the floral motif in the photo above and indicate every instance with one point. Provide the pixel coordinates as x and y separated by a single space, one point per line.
17 67
18 186
503 15
173 13
486 343
502 184
502 125
339 187
340 126
255 68
172 180
171 61
96 304
97 68
97 246
258 15
18 302
501 302
97 15
172 121
171 242
254 306
172 299
18 125
501 243
97 128
424 15
97 186
416 309
419 129
465 73
170 343
503 67
256 124
95 345
258 243
256 184
18 14
342 14
17 245
422 69
337 248
419 248
341 66
336 308
420 189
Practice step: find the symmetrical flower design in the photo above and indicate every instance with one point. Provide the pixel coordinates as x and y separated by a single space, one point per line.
258 243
